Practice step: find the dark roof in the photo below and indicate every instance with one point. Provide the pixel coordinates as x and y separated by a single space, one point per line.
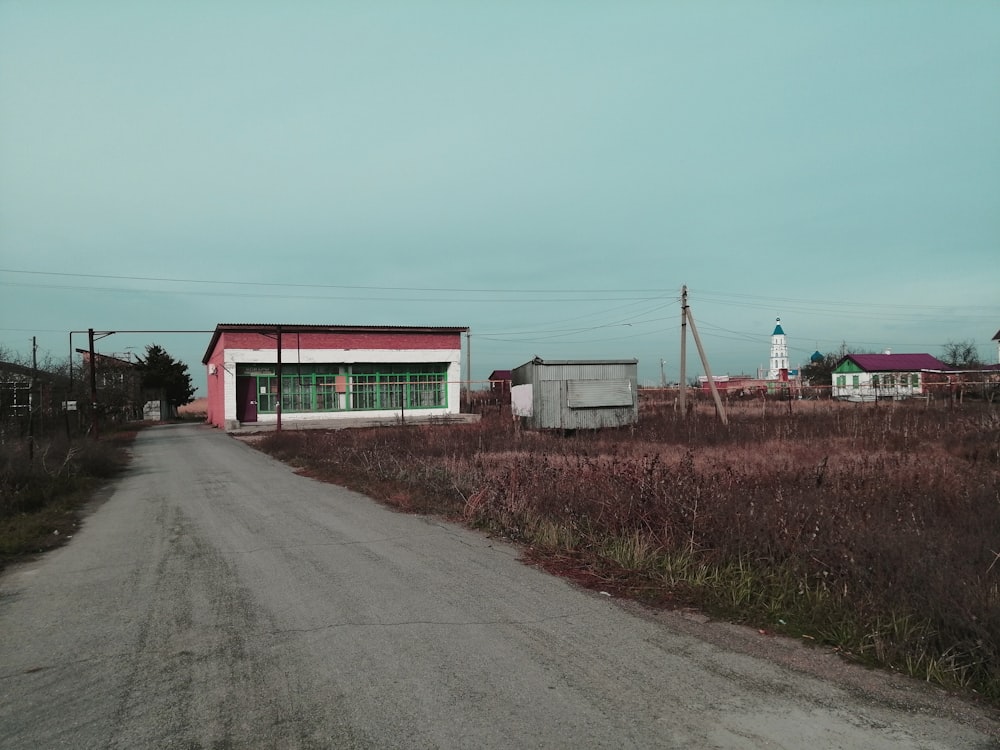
107 358
997 337
778 331
12 368
896 362
271 328
500 375
816 357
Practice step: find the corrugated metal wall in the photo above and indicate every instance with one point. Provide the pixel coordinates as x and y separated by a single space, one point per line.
550 383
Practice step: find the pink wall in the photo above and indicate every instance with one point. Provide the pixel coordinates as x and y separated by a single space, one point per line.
359 340
216 391
290 341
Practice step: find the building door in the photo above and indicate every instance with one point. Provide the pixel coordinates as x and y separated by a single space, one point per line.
246 399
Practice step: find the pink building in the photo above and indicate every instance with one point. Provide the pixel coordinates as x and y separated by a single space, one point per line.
330 372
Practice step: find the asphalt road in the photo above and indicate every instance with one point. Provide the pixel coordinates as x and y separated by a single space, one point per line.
215 599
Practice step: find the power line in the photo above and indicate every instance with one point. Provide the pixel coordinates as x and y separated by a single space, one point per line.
257 295
361 287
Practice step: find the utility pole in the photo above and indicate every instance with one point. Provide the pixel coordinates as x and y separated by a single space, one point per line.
708 371
31 398
682 391
468 368
93 383
278 372
663 376
687 317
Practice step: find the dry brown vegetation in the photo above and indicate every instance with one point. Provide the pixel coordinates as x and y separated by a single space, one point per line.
45 483
874 528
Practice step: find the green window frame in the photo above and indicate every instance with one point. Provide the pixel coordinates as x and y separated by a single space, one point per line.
361 387
364 391
326 396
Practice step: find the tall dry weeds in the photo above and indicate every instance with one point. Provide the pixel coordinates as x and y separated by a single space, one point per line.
831 521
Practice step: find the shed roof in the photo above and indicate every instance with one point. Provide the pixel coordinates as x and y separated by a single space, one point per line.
895 362
319 328
559 362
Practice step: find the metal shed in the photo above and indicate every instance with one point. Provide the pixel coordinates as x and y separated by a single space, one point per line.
576 394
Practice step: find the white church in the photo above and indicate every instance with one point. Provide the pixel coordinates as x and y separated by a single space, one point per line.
778 366
768 378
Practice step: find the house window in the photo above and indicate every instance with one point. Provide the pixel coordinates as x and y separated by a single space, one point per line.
841 381
855 381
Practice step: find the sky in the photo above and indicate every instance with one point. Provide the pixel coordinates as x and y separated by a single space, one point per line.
550 174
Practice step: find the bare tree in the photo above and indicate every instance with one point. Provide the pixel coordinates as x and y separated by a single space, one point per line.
962 355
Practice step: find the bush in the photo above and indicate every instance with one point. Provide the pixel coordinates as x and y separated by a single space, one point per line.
42 486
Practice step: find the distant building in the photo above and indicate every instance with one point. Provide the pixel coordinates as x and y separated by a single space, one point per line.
500 382
778 363
257 372
120 392
18 398
779 353
872 377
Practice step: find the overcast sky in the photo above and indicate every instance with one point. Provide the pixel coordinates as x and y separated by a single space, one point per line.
547 173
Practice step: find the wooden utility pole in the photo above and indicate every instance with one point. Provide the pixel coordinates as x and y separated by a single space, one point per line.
687 317
31 398
708 370
682 390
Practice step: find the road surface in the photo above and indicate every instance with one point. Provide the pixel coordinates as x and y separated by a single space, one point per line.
215 599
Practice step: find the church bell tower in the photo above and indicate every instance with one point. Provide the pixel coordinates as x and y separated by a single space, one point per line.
779 352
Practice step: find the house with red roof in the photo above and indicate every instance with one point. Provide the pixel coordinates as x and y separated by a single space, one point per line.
872 377
262 373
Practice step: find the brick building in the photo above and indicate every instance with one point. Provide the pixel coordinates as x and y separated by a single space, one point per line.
257 372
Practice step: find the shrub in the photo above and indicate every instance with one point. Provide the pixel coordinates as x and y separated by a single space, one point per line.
42 485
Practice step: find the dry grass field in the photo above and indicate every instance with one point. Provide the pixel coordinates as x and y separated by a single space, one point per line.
870 528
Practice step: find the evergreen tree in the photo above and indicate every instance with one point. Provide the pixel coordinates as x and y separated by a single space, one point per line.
160 370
